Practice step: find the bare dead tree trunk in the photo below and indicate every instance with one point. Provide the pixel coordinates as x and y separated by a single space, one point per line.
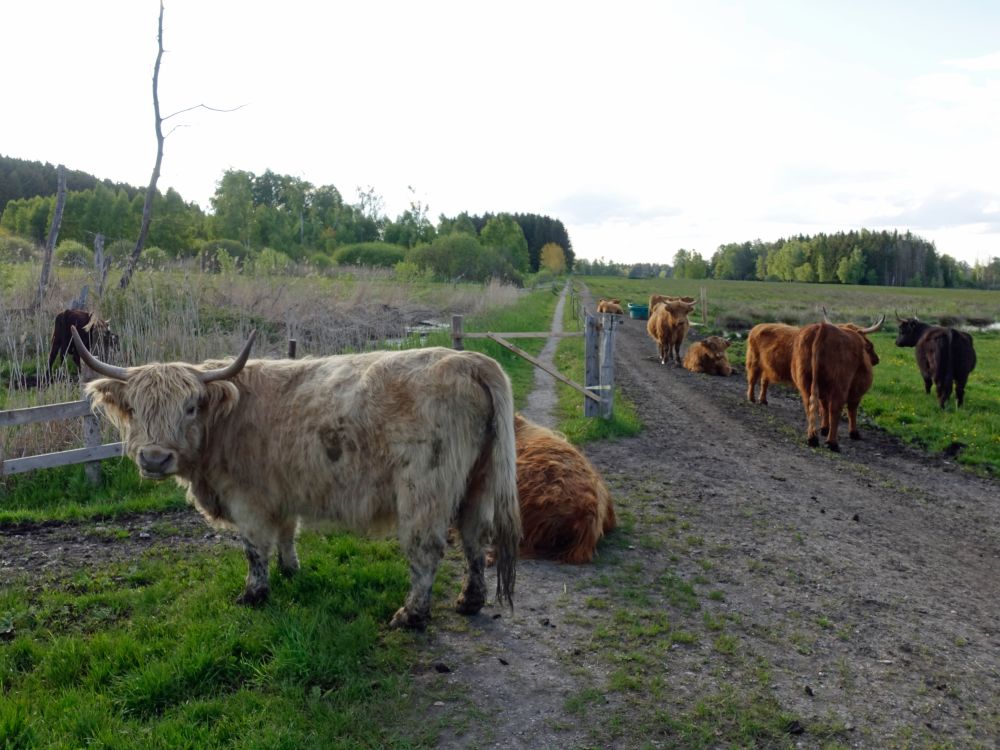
147 206
50 243
101 265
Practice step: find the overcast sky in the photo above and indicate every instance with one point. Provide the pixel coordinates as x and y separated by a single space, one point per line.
644 126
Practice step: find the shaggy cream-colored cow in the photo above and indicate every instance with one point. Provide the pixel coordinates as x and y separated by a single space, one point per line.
423 438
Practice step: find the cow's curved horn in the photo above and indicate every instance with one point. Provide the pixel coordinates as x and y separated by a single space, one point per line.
873 328
826 318
899 319
101 368
233 367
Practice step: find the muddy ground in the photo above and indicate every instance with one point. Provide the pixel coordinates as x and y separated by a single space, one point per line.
757 592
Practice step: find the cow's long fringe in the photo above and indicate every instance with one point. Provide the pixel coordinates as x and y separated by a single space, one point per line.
502 486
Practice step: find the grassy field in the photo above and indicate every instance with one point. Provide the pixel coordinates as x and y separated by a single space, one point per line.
896 402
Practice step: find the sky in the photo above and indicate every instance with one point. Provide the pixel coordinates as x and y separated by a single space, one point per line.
645 126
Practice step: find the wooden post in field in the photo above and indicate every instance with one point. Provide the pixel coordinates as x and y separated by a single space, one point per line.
292 343
457 342
607 376
704 306
591 369
92 439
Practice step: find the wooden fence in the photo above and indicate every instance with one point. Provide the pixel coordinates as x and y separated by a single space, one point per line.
598 390
91 454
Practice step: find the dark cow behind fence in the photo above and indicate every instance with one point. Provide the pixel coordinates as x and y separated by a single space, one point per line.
832 367
423 438
945 356
95 333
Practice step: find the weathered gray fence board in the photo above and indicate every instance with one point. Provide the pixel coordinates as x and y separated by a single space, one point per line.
66 410
62 458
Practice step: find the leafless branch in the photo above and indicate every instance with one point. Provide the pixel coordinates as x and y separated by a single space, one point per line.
201 106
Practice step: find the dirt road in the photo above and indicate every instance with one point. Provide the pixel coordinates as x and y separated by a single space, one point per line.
758 593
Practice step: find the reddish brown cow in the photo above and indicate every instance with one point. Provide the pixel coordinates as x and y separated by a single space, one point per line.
565 505
654 299
94 332
709 356
832 367
668 325
769 357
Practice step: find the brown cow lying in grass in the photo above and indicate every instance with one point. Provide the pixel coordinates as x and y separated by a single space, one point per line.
565 505
668 325
612 306
709 356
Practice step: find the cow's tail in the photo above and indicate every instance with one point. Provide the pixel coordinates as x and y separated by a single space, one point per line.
945 353
815 390
501 480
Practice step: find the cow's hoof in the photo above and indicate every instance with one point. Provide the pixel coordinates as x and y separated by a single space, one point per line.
469 605
252 597
404 618
835 447
288 571
824 431
854 435
812 441
763 402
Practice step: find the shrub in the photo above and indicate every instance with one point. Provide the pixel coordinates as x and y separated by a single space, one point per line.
460 257
270 262
15 249
153 258
73 253
118 252
222 255
321 261
382 254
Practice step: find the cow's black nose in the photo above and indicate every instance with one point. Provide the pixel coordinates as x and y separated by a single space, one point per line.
154 460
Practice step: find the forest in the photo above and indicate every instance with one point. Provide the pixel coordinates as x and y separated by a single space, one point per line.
282 218
864 257
278 220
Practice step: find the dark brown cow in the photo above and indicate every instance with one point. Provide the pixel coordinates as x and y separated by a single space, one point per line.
832 367
95 333
945 356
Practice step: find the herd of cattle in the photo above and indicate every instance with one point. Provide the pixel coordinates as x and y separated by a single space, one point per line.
427 440
830 365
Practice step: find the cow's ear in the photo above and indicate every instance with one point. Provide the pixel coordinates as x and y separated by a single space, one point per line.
221 397
108 395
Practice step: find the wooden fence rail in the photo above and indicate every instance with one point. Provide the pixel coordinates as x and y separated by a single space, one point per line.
91 454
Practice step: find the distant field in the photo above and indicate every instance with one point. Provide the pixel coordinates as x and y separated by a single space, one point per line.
742 304
897 402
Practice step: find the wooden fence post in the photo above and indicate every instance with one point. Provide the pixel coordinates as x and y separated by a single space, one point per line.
92 439
591 358
457 341
704 306
607 378
291 348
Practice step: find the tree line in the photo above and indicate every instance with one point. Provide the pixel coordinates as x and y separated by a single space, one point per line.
282 214
880 258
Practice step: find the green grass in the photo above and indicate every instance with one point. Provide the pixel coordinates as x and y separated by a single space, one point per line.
897 402
154 654
532 313
65 494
